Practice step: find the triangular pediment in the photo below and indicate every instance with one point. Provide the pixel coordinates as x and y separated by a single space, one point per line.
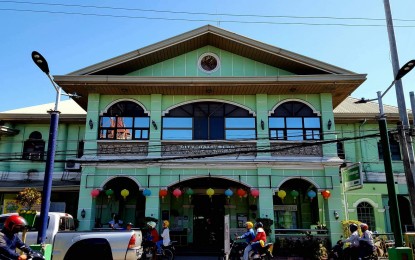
216 37
267 70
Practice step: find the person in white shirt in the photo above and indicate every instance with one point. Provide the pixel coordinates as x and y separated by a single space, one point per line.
352 251
366 241
165 236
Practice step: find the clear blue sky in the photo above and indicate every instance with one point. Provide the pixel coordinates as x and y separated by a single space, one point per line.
74 37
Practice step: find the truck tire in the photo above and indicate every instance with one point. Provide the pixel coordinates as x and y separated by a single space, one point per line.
94 248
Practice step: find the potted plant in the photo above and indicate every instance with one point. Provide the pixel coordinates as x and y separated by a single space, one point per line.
27 198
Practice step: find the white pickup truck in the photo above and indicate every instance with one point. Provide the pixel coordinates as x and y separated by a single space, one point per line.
69 244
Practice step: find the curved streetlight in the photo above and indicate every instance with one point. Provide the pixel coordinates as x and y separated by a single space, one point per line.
387 158
41 62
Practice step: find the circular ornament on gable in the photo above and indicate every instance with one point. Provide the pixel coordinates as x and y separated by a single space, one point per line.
209 62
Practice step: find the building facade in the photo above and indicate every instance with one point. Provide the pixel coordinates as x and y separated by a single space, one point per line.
205 125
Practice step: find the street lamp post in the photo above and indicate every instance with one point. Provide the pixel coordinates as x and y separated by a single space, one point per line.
387 158
41 62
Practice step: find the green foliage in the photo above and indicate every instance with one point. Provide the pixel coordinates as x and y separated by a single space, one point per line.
29 197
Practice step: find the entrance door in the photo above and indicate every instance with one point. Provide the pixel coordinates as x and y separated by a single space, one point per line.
208 214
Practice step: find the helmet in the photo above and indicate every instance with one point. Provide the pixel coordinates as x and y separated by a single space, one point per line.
352 227
15 224
151 224
249 224
259 225
364 227
130 224
166 223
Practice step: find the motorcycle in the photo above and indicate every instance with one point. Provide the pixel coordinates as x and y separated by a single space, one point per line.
35 256
149 251
237 249
264 253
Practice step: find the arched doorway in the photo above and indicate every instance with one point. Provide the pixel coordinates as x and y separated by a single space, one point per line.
202 216
297 209
405 213
129 209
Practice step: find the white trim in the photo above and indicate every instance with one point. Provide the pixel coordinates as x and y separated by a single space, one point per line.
110 178
208 54
306 178
212 176
124 99
371 202
252 112
294 99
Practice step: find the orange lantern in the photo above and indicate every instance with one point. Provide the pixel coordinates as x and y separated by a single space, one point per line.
326 194
241 192
163 193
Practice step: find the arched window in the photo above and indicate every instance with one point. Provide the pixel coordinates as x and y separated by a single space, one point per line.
124 120
34 147
294 121
208 121
366 214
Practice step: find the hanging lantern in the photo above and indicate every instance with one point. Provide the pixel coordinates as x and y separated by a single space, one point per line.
311 194
210 192
125 193
241 192
281 194
189 192
147 192
294 194
177 193
255 193
109 193
228 193
94 193
326 194
163 193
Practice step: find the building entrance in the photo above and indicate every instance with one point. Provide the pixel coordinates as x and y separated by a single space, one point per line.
208 223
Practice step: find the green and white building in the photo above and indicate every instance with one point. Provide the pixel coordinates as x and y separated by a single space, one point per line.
202 125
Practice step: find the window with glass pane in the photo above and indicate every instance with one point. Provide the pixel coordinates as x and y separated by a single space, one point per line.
125 120
366 214
294 121
394 149
208 121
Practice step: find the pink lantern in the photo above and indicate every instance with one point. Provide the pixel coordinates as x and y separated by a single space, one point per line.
94 193
177 193
255 193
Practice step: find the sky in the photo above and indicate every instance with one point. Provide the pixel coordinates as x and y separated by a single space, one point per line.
72 35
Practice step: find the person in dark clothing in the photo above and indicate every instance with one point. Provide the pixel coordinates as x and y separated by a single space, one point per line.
9 239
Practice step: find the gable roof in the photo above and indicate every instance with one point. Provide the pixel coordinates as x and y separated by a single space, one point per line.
311 76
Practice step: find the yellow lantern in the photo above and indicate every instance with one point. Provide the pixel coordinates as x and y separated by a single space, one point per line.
210 192
125 193
282 194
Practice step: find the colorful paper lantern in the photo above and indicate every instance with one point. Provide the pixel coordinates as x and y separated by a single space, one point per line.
326 194
255 193
147 192
294 194
311 194
125 193
163 193
228 193
94 193
177 193
241 192
189 192
109 193
210 192
282 194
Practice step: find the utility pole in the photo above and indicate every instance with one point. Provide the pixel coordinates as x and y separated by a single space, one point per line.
404 139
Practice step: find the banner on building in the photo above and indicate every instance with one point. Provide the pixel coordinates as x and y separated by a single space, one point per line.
352 177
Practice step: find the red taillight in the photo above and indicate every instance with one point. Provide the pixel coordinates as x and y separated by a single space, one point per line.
131 244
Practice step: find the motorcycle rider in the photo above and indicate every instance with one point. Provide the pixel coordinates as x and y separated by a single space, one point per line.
366 243
260 238
165 236
352 251
249 235
9 239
